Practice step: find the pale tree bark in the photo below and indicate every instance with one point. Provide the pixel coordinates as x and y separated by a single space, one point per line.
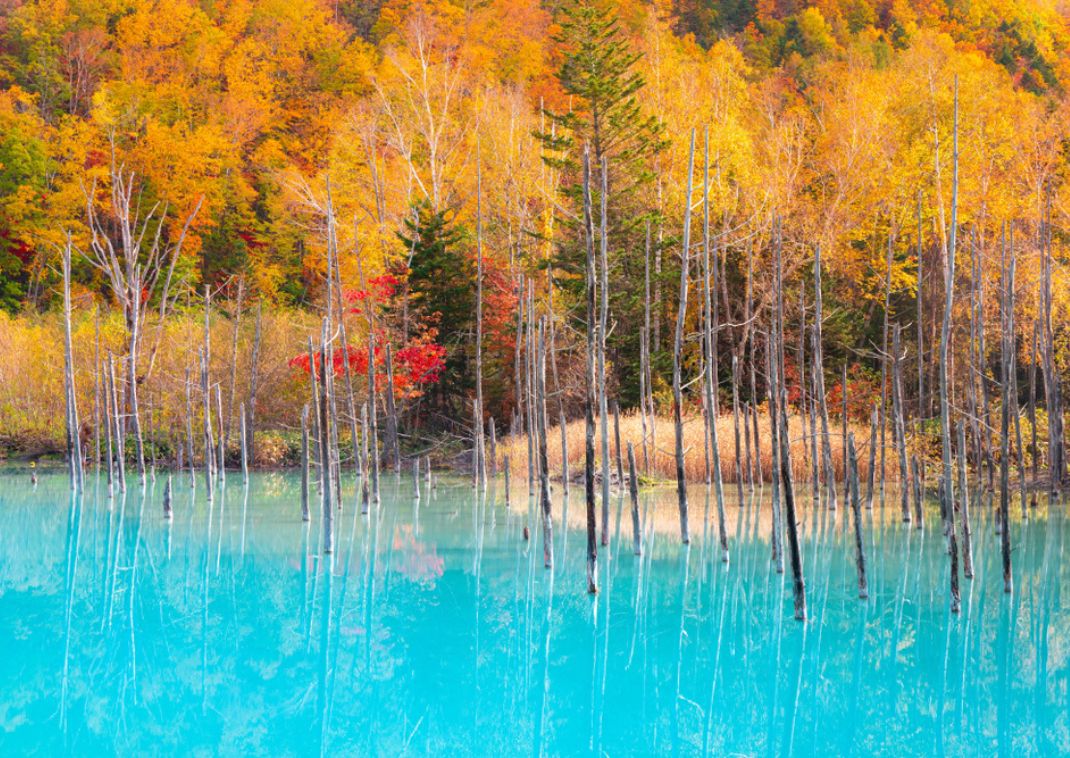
678 348
590 391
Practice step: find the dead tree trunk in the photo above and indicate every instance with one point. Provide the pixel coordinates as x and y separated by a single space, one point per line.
544 466
589 400
209 444
967 538
947 490
784 438
117 426
900 429
603 329
1007 346
325 444
1052 387
234 361
873 443
633 491
74 445
711 353
189 430
305 513
678 349
851 462
254 382
391 412
481 453
819 387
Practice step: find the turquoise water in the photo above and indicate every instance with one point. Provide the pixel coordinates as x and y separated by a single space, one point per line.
435 629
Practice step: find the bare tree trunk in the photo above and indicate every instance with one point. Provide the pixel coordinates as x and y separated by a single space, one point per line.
544 466
117 429
644 353
589 400
711 353
74 445
1052 388
234 361
365 487
209 444
96 386
244 445
851 463
784 438
189 430
132 385
947 492
603 329
819 387
221 450
529 397
391 412
1006 364
900 429
505 470
633 491
373 442
327 501
317 419
107 421
884 362
561 423
748 316
1034 450
254 380
774 450
843 420
481 453
873 443
967 546
678 348
735 429
920 325
305 514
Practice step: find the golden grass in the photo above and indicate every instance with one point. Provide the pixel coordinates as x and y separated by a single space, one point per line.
661 448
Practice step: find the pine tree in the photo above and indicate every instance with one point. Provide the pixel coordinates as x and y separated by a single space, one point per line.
598 72
441 286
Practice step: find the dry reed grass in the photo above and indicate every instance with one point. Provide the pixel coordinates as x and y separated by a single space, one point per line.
663 461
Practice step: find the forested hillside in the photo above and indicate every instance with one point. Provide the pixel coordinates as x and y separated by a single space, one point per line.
257 135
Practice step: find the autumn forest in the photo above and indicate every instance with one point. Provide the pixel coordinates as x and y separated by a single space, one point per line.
431 177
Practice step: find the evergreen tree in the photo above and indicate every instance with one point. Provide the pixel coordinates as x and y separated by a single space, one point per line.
598 72
441 285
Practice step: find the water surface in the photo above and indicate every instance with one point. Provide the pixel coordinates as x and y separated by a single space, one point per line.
435 629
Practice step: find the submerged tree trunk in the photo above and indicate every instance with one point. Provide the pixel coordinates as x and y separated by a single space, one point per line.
967 538
74 446
851 463
325 444
481 453
784 438
589 399
947 490
254 383
677 352
603 329
544 466
305 514
819 386
1006 363
633 492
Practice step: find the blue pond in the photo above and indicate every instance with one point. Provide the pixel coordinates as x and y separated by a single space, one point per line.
435 629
